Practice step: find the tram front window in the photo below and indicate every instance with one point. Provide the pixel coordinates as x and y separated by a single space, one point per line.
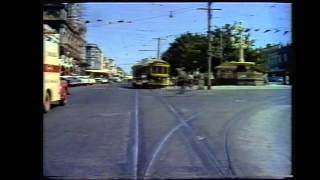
156 70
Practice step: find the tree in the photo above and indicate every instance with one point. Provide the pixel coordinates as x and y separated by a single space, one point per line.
229 37
190 50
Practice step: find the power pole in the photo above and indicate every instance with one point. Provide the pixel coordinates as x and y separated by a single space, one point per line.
209 45
209 41
221 47
158 49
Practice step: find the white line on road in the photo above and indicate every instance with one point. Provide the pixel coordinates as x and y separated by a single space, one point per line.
110 114
164 140
136 143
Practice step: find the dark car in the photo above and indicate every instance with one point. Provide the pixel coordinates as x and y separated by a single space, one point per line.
276 79
72 81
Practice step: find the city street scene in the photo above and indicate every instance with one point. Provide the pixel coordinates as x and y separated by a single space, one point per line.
167 90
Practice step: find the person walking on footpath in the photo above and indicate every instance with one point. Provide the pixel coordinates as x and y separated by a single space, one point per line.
182 80
190 80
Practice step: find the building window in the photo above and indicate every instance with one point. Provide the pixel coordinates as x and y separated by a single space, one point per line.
285 57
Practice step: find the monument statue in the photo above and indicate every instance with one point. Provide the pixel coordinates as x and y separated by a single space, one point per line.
238 72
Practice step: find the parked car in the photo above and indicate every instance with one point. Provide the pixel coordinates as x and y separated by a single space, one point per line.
72 81
101 80
84 80
116 79
276 79
92 81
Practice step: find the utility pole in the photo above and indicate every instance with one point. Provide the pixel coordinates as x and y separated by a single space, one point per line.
158 49
209 42
221 47
209 45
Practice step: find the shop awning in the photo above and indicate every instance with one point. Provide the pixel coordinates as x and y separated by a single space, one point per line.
98 71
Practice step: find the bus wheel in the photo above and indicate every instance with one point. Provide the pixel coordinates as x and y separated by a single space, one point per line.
47 103
63 102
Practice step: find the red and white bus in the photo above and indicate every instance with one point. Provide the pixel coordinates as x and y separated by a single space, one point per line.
54 89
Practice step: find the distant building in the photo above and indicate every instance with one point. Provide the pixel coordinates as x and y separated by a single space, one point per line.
120 72
278 58
94 56
106 63
101 61
113 69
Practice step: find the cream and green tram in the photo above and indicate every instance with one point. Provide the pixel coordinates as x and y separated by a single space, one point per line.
152 73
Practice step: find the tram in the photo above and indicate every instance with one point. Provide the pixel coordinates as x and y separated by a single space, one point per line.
151 73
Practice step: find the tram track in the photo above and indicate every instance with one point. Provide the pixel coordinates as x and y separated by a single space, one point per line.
202 150
214 163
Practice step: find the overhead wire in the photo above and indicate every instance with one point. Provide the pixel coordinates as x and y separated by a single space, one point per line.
144 19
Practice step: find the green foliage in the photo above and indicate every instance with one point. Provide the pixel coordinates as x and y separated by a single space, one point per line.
190 50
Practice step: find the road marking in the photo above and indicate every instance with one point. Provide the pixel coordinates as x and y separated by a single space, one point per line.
164 140
110 114
136 143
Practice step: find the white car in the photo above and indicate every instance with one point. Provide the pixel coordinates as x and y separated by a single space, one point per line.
84 80
116 79
92 81
101 80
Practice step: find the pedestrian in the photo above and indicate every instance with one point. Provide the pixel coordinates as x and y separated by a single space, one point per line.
182 80
265 78
201 82
190 80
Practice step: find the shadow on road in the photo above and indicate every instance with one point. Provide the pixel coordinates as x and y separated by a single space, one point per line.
177 94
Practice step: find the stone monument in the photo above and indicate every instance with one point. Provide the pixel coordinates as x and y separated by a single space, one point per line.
238 72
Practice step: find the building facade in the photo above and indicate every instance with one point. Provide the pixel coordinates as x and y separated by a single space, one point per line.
106 63
94 56
72 42
278 58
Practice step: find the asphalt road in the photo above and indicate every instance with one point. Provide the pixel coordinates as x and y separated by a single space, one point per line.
113 131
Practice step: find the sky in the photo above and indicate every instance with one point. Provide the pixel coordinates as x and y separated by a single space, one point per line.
141 22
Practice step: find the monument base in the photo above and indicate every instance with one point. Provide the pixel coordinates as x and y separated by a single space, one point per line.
238 73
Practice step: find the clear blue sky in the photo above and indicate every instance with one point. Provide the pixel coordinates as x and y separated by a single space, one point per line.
122 41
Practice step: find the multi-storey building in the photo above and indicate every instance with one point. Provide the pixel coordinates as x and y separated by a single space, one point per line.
278 58
72 42
94 56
